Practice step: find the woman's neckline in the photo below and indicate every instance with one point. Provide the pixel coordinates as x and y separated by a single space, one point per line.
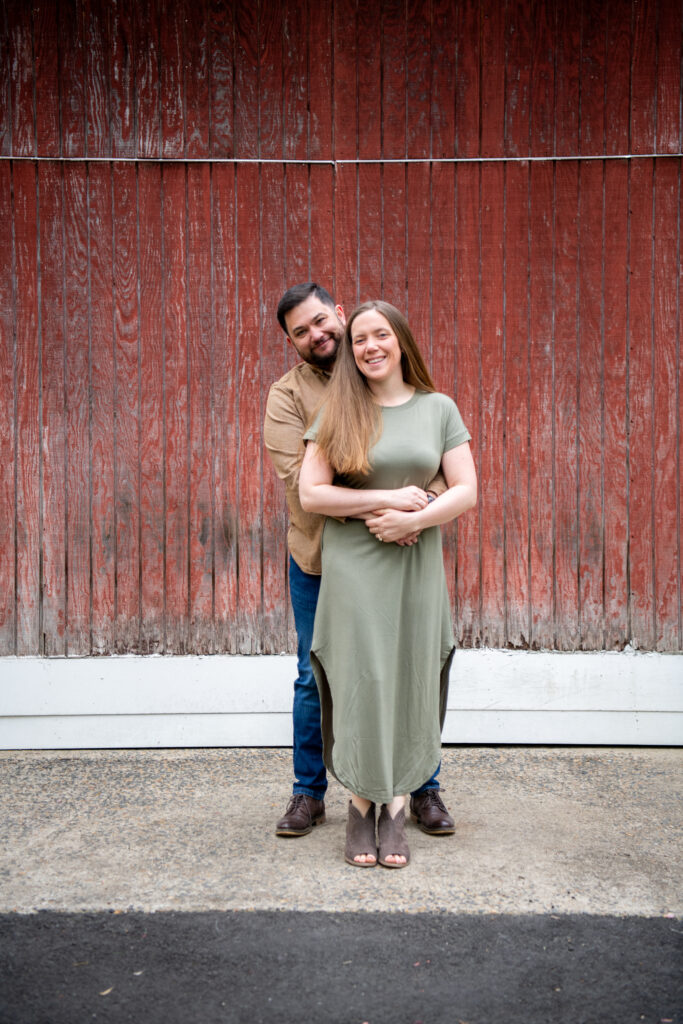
399 405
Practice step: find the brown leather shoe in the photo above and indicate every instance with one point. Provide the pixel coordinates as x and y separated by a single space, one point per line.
429 811
302 815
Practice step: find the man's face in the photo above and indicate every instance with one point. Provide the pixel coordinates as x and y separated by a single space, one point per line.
315 330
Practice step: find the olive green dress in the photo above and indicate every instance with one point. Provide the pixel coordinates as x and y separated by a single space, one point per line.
383 639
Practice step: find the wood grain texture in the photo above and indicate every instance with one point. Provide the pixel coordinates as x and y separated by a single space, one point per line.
369 231
618 76
468 79
72 77
77 409
98 48
147 110
643 76
53 421
541 404
5 84
669 41
615 440
127 407
592 78
7 418
152 470
641 412
102 398
122 79
221 91
516 385
468 392
27 399
46 63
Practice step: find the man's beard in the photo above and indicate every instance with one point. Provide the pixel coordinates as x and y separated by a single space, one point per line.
325 362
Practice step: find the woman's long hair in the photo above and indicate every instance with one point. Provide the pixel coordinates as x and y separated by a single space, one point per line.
350 421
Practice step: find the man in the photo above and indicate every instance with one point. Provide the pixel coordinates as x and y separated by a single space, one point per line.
315 327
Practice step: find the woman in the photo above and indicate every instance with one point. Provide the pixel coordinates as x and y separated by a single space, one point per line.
383 639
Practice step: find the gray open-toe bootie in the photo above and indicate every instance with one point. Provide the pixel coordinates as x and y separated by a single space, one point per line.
360 837
391 833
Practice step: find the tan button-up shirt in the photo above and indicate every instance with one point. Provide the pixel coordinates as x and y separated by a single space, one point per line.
292 403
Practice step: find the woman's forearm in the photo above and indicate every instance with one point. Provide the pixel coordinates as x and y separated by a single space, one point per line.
331 500
448 506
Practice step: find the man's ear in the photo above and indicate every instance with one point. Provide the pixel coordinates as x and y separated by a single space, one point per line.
340 314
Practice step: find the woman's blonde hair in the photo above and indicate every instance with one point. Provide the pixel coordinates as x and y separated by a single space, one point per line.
350 420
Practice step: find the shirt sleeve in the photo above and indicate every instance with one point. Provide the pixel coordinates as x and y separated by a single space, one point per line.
455 431
312 432
282 433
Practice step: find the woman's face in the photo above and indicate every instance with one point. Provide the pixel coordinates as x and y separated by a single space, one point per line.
375 347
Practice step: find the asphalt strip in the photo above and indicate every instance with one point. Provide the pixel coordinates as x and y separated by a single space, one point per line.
339 968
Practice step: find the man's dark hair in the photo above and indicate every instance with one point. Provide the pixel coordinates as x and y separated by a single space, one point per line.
296 295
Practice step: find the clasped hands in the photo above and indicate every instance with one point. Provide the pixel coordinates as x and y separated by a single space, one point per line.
393 525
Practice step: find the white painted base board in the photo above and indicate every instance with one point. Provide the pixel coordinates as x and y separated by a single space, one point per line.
526 697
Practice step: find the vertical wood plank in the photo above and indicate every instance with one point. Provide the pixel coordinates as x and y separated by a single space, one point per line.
250 579
418 268
667 557
542 110
22 77
127 421
296 225
418 78
27 411
468 79
567 67
541 405
669 37
592 78
295 80
443 84
369 81
97 94
147 79
516 388
53 426
225 399
345 80
369 231
151 411
492 497
394 250
122 79
346 236
616 427
442 297
221 62
177 640
643 80
618 76
7 417
5 85
641 397
246 79
393 80
46 62
591 510
320 81
493 82
566 414
322 226
196 80
171 44
443 315
467 394
72 77
77 406
519 19
274 359
102 384
270 85
199 407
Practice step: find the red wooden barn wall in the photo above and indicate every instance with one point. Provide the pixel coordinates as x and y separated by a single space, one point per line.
508 173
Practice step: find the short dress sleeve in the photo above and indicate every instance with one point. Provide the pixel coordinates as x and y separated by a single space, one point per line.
455 432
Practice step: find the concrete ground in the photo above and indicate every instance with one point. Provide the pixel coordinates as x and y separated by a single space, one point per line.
538 830
149 886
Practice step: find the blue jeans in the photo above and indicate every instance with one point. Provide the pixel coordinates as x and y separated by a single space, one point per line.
309 771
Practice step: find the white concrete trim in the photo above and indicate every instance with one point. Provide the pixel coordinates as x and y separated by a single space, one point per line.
495 697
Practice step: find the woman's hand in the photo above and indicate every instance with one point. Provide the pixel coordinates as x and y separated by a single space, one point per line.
408 499
393 526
